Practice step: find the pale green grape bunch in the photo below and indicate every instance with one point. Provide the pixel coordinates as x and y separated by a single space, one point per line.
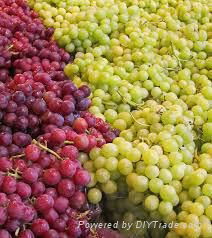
154 166
130 51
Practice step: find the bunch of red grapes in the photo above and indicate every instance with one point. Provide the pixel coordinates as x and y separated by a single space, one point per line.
44 125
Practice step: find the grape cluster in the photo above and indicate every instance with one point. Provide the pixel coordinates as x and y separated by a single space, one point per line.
153 172
42 193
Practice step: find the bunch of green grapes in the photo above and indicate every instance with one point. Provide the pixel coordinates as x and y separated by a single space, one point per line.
154 165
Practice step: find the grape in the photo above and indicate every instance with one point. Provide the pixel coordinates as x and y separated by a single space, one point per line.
165 208
165 175
140 183
94 195
155 185
109 150
110 187
151 202
167 193
197 208
125 166
102 175
150 157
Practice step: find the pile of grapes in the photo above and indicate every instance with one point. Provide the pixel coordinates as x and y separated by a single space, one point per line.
148 64
45 134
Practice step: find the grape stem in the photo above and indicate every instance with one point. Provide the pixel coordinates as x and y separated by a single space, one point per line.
142 124
10 47
15 174
145 139
17 156
82 215
109 103
94 233
175 55
173 69
133 104
43 147
17 231
67 142
196 155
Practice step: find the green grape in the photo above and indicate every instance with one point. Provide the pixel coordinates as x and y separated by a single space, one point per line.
194 192
111 164
187 156
163 162
178 171
204 219
140 168
158 149
177 186
186 205
133 155
204 200
207 190
109 187
151 171
208 212
94 153
99 162
109 150
197 177
83 157
130 178
206 230
93 181
127 135
205 162
110 115
118 140
170 145
171 217
142 147
89 166
155 185
165 175
125 166
165 208
94 195
175 158
102 175
150 157
151 203
208 179
124 147
167 193
140 183
197 209
126 117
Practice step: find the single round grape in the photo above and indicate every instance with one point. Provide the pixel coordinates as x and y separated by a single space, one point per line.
94 195
151 202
